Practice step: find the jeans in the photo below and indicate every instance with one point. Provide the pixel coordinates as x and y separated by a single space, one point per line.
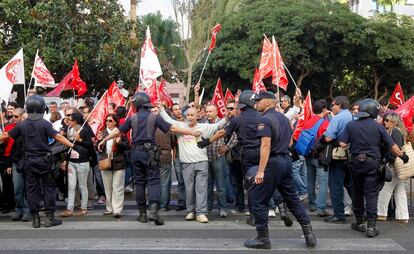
22 208
180 186
196 179
165 177
128 170
227 182
78 172
236 175
98 180
299 176
315 174
216 175
339 176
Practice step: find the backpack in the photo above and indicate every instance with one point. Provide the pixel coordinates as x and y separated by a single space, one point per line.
307 139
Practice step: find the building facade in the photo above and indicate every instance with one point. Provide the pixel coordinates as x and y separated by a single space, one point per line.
368 8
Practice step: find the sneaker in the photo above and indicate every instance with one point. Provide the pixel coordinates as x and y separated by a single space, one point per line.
271 213
101 200
348 211
117 215
66 213
128 189
27 217
81 212
247 213
202 218
190 216
223 214
381 218
106 213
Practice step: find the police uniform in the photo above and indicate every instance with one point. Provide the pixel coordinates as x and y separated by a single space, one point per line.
277 175
366 137
144 155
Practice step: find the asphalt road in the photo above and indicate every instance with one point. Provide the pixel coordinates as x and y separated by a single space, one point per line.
95 233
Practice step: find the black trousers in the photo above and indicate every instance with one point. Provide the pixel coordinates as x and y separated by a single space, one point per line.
7 196
145 175
277 175
365 179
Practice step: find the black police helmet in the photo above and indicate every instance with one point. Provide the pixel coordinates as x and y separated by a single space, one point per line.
245 99
368 108
250 176
141 100
35 107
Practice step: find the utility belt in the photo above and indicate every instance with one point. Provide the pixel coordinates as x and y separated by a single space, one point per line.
362 157
152 151
145 146
278 154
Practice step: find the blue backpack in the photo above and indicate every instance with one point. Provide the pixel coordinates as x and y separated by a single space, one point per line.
307 139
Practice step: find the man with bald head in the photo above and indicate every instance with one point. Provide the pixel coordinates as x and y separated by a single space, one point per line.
194 162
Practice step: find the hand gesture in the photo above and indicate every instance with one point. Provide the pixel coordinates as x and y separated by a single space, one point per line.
197 88
9 171
259 177
100 146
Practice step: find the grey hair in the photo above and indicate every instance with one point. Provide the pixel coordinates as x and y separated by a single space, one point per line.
287 98
398 123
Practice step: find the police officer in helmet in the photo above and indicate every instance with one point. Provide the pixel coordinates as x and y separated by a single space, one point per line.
274 172
37 169
144 154
366 137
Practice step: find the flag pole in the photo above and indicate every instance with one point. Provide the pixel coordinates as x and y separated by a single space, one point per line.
274 69
31 78
2 119
204 67
290 75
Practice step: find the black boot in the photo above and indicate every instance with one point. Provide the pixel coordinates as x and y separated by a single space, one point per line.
310 237
142 217
359 224
260 242
250 221
284 215
51 221
372 230
153 215
36 220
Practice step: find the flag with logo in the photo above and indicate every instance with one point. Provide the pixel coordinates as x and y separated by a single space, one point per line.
305 116
41 75
10 74
115 95
257 85
279 77
218 99
406 112
229 95
150 67
397 97
214 32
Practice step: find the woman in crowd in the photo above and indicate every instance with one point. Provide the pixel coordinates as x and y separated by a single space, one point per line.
114 178
398 132
78 166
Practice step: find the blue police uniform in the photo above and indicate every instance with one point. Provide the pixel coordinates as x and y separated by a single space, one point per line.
278 172
144 125
38 172
366 137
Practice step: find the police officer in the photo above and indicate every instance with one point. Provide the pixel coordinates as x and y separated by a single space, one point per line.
144 154
366 137
274 172
245 126
38 172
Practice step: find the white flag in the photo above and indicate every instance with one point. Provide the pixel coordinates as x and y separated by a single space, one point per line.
12 73
150 67
41 74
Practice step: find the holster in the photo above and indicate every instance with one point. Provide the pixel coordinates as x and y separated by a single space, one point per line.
153 153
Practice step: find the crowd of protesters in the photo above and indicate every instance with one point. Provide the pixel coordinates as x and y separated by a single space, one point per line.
202 177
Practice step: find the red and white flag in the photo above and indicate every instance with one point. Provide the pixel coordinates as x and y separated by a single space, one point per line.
115 95
406 112
41 74
214 32
305 116
279 77
11 73
397 97
150 67
257 85
165 94
266 60
218 99
71 81
228 96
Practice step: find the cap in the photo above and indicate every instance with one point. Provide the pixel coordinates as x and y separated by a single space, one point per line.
264 95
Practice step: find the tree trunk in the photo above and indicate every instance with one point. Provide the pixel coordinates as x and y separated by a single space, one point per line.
189 78
331 89
377 80
133 18
303 74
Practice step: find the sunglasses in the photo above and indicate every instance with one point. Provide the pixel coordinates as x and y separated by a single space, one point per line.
70 119
387 120
68 115
333 104
109 120
230 108
14 116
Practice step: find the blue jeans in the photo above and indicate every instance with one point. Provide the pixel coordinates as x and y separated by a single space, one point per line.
339 177
100 189
317 173
165 178
178 168
22 208
216 175
227 181
299 176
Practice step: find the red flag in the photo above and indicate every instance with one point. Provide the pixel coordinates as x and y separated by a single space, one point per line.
152 92
257 83
214 32
165 94
266 62
305 116
99 114
406 111
218 99
279 77
397 97
115 95
71 81
228 96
